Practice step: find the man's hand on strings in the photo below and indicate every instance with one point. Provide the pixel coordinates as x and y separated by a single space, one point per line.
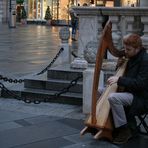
112 80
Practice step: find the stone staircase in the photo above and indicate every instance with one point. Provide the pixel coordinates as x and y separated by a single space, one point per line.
45 86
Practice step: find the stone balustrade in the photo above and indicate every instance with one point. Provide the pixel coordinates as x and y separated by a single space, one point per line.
124 20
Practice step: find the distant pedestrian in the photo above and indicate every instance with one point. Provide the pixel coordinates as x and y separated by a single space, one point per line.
74 24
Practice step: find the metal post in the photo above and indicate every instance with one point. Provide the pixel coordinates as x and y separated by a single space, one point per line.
10 8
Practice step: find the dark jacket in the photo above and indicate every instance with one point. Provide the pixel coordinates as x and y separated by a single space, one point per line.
74 19
135 81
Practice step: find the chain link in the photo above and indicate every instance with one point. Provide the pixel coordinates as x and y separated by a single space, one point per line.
66 89
51 63
73 54
12 94
11 80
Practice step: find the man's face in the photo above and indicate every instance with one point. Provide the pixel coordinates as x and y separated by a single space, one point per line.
130 51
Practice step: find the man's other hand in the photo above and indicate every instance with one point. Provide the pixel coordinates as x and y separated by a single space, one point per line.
112 80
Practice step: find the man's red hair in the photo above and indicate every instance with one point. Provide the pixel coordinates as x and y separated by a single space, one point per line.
133 40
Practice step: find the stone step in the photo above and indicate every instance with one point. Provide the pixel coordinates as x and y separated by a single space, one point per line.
41 82
64 72
42 95
46 85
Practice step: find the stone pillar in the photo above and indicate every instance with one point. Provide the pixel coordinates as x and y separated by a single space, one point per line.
89 28
116 34
144 20
64 57
143 3
42 5
36 9
130 21
100 21
123 26
88 76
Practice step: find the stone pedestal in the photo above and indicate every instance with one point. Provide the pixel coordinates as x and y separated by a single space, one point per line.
108 69
89 29
79 63
88 76
64 57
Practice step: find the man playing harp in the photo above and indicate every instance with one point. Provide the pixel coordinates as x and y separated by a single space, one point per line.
134 98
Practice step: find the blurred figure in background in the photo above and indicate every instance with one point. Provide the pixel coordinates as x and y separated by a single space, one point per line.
74 24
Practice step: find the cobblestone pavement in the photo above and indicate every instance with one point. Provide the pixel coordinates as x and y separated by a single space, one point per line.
26 50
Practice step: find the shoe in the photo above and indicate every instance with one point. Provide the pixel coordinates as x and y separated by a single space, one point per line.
122 136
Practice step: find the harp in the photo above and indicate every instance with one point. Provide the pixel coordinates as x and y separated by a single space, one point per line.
99 122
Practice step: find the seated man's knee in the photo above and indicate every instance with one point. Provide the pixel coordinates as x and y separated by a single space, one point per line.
112 97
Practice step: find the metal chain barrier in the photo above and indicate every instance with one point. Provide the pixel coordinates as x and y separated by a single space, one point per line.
73 54
10 93
51 63
44 70
66 89
35 101
10 80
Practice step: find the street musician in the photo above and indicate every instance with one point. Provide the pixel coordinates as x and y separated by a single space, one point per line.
135 94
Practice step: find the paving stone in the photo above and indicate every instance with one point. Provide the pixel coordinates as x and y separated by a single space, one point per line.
93 144
6 115
36 133
78 124
23 122
41 119
77 138
49 143
9 125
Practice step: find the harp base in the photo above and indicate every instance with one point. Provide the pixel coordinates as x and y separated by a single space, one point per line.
97 133
104 134
90 130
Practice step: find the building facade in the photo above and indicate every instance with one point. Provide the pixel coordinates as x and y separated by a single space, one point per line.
59 8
